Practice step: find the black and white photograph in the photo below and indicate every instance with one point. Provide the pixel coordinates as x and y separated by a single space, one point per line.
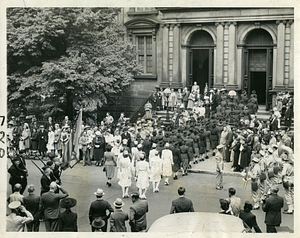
173 120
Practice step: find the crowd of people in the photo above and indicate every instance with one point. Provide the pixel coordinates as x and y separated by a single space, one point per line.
217 124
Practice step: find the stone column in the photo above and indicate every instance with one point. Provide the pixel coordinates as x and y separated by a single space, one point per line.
176 57
240 77
232 54
219 54
165 49
280 52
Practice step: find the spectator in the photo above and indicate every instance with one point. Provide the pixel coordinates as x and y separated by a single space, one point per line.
50 205
99 209
181 204
235 202
225 207
67 221
15 222
137 216
272 207
31 202
16 196
118 218
249 218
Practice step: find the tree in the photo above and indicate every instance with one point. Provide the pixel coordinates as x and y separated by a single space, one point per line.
68 57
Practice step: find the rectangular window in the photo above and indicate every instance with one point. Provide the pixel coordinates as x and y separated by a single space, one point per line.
145 53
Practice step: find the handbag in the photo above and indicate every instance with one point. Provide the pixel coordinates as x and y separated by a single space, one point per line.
104 170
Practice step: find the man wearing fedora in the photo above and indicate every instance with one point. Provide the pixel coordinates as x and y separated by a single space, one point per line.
118 217
31 202
98 224
100 208
137 216
50 205
15 222
67 221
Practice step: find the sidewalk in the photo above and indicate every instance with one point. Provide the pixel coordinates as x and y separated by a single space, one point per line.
208 166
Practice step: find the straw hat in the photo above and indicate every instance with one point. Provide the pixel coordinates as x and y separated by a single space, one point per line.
14 204
118 202
99 192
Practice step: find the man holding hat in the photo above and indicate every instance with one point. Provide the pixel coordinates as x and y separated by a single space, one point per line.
31 202
137 216
50 205
118 217
15 222
67 221
100 208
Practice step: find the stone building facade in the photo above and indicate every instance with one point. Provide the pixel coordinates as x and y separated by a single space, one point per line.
233 48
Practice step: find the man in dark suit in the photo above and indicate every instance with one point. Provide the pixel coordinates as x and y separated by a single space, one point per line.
46 179
272 207
100 208
50 205
181 204
31 203
118 218
249 218
138 210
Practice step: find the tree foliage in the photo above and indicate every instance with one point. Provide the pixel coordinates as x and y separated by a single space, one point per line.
60 58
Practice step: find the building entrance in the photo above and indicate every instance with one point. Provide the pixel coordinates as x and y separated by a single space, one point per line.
200 60
258 61
258 83
200 68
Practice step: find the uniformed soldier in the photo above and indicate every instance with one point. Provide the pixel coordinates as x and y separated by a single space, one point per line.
219 166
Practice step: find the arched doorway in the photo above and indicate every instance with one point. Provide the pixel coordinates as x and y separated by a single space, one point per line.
200 65
258 61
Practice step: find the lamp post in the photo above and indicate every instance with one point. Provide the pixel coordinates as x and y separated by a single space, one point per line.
167 93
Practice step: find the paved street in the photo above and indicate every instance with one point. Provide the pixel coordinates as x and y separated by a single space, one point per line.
81 183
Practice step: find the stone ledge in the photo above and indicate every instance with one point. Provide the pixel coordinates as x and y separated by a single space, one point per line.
214 172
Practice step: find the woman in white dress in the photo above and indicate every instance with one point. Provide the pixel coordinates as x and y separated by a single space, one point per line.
142 172
51 137
125 173
155 171
167 162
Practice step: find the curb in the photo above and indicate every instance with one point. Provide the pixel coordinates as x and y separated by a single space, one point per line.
199 171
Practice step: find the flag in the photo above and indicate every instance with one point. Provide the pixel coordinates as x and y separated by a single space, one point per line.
77 133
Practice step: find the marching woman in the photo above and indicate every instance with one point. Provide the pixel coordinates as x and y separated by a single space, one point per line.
167 162
142 172
110 163
155 171
125 173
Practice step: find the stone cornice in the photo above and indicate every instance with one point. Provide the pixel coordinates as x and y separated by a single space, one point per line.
237 19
